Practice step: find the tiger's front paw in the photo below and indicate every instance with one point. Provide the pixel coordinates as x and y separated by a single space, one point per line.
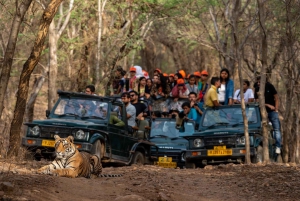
53 173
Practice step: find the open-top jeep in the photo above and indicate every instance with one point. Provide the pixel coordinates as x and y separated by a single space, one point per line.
170 141
221 137
89 119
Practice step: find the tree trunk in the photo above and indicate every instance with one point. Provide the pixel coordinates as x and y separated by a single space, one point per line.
54 35
52 66
101 5
10 49
28 67
264 59
83 71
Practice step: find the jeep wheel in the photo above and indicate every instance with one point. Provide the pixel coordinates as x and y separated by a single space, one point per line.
138 158
189 165
96 149
258 157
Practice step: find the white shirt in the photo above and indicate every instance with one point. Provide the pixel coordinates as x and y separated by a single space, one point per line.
247 95
222 92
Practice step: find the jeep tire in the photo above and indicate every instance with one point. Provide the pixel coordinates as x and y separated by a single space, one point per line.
258 157
96 149
190 165
138 158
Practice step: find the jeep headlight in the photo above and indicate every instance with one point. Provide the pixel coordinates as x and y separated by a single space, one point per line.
80 134
35 131
241 140
183 156
198 142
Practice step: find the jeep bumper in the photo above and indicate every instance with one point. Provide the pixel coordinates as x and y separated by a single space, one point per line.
200 155
34 144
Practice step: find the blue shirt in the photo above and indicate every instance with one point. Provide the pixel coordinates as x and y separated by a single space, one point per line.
192 114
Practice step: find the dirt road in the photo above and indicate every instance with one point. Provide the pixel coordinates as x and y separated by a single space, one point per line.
18 181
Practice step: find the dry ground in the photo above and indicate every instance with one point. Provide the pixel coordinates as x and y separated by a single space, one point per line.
18 181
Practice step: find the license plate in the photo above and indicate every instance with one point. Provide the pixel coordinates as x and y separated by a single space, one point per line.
167 164
221 152
164 159
48 143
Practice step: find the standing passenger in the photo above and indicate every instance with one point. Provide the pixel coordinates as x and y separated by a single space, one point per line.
225 94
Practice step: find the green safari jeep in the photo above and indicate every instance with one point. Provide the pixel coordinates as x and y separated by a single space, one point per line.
221 139
89 119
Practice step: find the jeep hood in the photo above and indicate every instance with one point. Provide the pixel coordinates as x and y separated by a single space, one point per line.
170 143
66 122
225 131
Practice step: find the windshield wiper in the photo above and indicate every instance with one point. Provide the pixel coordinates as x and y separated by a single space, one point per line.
241 122
219 123
92 117
159 136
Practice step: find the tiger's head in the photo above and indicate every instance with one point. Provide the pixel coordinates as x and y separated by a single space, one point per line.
64 147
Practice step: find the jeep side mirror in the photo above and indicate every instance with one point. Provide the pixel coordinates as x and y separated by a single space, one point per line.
47 113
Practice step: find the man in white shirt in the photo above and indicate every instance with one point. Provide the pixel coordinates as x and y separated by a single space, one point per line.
248 94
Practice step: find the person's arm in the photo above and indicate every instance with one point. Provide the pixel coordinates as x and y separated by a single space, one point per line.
116 121
216 103
194 114
276 102
230 86
185 94
198 109
130 112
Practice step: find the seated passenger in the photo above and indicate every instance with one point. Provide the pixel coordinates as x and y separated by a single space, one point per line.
179 92
192 86
248 94
190 113
211 97
130 111
141 109
113 119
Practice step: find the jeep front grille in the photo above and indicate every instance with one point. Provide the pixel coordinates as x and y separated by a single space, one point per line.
217 141
49 132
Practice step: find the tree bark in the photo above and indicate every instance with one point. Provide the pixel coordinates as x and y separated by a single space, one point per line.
10 49
28 67
264 60
54 35
82 73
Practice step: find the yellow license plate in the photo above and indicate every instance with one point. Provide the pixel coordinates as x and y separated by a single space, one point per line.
221 152
164 159
48 143
166 164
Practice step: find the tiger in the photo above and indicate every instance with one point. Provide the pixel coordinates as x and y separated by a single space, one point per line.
69 162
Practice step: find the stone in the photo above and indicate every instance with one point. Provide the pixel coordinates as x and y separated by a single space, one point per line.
131 198
6 186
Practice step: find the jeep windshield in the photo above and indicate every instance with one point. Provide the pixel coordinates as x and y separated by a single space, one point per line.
81 108
165 127
228 116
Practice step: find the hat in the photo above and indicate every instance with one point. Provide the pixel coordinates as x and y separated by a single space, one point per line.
165 74
132 69
182 72
180 82
197 74
204 72
146 75
158 70
171 75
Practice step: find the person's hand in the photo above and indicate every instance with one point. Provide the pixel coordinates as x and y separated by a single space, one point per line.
193 104
175 99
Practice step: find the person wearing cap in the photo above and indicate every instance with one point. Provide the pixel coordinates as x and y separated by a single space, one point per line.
171 81
202 85
157 72
180 90
225 93
132 79
197 75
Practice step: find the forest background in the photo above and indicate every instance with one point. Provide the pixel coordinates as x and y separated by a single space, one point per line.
87 39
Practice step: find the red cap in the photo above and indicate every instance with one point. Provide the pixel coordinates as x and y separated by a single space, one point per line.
165 74
180 81
182 73
204 72
171 75
197 73
132 69
158 70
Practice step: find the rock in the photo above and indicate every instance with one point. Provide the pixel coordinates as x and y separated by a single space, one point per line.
131 198
163 197
6 186
208 167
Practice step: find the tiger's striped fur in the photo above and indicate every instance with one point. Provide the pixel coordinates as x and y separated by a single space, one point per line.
69 162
